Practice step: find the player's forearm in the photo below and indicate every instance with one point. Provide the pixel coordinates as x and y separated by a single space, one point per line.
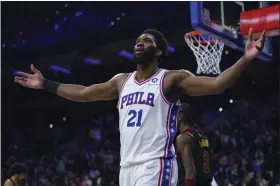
67 91
72 92
190 177
190 173
229 76
188 162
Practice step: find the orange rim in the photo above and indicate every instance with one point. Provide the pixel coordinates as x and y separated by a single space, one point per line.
197 33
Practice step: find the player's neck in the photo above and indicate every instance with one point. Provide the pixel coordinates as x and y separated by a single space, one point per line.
146 71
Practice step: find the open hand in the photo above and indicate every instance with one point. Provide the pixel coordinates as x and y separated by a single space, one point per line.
253 48
34 80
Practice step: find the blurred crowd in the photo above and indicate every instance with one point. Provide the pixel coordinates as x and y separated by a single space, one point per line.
245 142
244 139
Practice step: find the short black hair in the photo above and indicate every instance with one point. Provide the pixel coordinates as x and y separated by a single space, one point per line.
190 116
18 168
160 40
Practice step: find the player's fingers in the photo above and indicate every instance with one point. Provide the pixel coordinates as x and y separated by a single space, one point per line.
33 69
250 36
24 84
260 42
20 78
21 82
259 48
24 74
263 35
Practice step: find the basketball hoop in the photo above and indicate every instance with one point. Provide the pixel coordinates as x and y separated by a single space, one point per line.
207 50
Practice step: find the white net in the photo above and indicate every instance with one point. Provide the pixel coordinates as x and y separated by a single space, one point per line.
207 50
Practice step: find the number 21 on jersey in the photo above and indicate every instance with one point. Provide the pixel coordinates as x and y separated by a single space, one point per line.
135 118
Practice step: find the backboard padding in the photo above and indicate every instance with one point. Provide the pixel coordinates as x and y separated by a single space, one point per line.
222 16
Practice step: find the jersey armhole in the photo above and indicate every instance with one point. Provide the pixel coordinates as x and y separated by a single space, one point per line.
120 92
188 133
162 89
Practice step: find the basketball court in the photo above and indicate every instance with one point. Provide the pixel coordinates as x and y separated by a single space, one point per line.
227 23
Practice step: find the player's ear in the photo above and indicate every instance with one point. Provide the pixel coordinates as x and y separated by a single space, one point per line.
159 53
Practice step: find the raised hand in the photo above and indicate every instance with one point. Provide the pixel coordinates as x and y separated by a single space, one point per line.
34 80
253 48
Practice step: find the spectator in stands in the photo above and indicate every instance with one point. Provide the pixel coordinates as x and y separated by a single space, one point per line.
244 150
18 173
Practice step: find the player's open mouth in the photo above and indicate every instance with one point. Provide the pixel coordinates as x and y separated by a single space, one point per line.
139 52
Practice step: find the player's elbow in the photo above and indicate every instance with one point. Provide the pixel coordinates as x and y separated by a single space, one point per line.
218 88
83 96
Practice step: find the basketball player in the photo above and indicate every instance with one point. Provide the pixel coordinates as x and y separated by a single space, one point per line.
147 113
194 155
17 172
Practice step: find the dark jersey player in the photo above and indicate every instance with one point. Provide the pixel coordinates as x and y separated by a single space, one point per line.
150 48
194 153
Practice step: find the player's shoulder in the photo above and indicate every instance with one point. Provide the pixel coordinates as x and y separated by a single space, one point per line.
178 74
120 78
184 138
8 182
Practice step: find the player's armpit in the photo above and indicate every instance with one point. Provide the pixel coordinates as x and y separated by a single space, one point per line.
104 91
197 85
184 145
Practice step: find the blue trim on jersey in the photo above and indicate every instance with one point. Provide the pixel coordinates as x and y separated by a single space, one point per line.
167 172
162 88
172 129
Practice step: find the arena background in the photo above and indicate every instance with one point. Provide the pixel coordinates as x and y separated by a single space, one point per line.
79 43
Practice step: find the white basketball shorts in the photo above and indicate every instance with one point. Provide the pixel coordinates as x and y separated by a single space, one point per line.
158 172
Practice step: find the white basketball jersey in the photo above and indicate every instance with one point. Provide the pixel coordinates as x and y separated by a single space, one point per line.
147 121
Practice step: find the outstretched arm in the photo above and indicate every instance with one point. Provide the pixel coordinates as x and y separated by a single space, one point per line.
184 145
79 93
103 91
201 85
